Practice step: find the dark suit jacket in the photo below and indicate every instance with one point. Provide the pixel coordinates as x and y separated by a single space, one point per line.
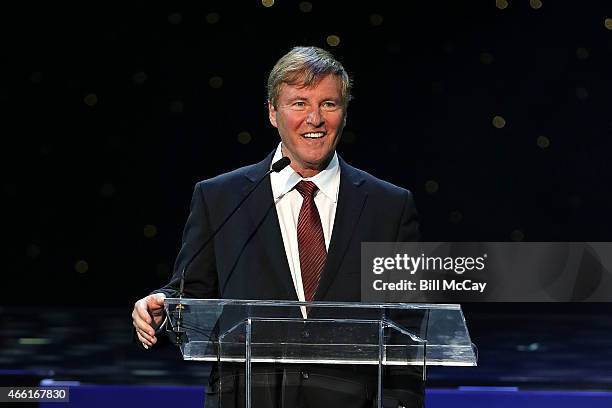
247 259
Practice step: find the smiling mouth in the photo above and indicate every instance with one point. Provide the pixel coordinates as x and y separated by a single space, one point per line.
314 135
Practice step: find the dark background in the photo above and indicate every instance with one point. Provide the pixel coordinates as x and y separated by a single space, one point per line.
112 113
495 114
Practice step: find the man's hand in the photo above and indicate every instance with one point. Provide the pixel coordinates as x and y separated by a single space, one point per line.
147 315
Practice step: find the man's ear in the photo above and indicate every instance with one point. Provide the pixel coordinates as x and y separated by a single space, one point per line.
272 114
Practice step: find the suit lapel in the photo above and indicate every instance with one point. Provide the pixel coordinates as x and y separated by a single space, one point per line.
351 199
262 213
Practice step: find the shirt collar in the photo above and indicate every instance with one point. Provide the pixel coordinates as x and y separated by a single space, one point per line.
327 180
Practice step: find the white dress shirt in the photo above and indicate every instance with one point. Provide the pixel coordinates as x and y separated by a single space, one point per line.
289 201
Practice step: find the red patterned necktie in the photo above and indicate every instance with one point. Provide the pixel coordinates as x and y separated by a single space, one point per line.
311 242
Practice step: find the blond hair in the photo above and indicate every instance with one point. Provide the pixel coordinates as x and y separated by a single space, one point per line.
307 66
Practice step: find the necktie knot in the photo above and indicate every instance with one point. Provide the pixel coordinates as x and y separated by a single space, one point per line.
306 188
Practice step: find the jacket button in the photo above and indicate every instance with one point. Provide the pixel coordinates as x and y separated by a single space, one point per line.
305 375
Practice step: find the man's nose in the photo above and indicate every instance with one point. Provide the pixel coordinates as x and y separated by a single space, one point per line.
315 118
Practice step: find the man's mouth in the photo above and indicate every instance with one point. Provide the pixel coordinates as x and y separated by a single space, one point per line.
314 135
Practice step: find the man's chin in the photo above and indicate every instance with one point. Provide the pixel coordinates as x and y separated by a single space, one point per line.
318 163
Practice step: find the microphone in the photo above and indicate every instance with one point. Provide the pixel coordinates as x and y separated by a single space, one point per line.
279 165
275 168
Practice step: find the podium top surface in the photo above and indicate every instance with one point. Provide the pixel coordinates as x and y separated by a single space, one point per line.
315 304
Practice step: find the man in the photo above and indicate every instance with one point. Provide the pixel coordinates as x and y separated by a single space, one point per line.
298 236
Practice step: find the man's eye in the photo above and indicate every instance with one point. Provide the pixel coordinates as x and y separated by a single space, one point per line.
299 104
329 106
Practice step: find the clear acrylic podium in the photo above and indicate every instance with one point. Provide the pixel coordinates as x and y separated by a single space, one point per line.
275 332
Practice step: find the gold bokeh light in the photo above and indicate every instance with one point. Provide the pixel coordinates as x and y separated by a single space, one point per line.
486 58
213 18
499 122
432 186
333 40
139 78
244 137
150 231
456 217
215 82
501 4
535 4
175 18
543 142
91 99
517 235
376 19
305 6
81 266
582 53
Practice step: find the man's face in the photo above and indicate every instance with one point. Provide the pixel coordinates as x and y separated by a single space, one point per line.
310 121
